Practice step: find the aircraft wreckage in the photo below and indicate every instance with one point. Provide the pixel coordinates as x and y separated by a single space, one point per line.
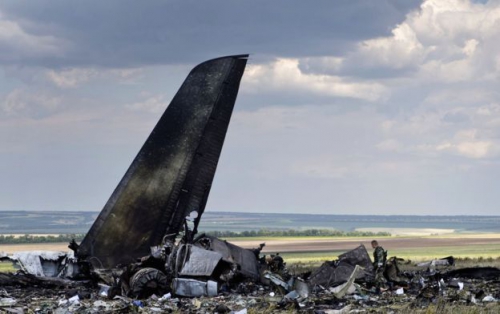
163 194
145 241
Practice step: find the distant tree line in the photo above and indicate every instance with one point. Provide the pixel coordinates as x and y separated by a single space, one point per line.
10 239
296 233
24 239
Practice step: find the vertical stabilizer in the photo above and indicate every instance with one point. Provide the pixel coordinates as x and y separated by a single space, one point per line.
173 172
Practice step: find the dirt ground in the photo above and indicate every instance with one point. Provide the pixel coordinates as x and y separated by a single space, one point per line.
313 245
344 245
11 248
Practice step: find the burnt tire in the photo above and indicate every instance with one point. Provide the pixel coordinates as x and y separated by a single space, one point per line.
148 281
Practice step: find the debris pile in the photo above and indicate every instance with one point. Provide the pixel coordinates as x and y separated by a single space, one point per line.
342 286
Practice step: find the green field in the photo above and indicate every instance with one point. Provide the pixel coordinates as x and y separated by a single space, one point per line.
413 254
477 251
6 267
457 249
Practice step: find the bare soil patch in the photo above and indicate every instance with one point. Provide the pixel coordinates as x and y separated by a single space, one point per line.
392 243
11 248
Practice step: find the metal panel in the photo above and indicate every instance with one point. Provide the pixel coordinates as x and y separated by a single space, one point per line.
173 172
335 273
194 288
199 262
358 256
246 259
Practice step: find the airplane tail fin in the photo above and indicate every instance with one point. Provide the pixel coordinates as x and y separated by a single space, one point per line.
173 172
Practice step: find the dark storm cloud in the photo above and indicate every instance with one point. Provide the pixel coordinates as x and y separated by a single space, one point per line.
130 33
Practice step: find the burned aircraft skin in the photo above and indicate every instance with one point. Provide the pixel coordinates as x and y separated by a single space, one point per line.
173 172
337 272
245 259
192 269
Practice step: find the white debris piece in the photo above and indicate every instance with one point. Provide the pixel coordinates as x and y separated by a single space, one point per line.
62 302
103 290
489 298
104 306
348 287
74 300
340 290
7 301
31 261
346 309
434 263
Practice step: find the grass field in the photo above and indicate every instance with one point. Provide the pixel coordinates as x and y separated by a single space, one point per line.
6 267
413 254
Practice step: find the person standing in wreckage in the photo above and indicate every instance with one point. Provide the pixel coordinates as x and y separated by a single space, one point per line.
379 259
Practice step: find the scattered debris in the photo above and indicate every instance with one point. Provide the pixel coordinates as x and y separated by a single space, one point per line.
446 261
474 273
233 292
337 272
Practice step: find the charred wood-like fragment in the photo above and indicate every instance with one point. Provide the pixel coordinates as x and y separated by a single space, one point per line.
474 273
27 280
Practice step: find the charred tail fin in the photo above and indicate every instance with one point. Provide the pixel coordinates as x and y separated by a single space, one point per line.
173 172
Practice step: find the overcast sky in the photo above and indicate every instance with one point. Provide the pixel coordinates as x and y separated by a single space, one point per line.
346 107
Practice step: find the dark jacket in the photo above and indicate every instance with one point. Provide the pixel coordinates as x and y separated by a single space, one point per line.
379 256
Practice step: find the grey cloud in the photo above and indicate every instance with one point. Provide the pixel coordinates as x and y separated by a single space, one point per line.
253 101
26 103
353 68
130 33
456 117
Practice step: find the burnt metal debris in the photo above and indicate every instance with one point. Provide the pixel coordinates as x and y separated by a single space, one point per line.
337 272
414 290
144 251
